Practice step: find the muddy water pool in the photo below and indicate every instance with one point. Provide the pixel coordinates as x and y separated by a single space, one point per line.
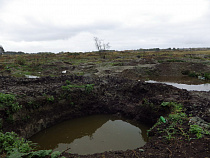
184 82
93 134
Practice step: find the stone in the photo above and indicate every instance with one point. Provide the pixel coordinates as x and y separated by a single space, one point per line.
200 122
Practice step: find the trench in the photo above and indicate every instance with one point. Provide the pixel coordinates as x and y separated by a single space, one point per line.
93 134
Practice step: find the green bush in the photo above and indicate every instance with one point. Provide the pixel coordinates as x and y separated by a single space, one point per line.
193 74
207 76
68 82
176 107
10 142
197 130
40 153
89 88
8 101
12 146
50 98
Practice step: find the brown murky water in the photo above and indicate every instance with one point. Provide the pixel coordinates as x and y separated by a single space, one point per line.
93 134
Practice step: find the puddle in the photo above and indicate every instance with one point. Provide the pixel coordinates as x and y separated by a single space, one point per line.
181 82
93 134
31 76
199 87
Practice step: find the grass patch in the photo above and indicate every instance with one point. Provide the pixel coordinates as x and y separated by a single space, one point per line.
174 60
67 88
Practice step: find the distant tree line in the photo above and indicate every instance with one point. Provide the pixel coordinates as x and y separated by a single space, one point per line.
9 52
174 49
103 47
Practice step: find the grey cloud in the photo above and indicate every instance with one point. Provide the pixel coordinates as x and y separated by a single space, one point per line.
158 31
39 31
3 3
163 35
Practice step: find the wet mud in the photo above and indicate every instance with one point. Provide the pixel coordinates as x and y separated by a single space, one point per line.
118 90
133 99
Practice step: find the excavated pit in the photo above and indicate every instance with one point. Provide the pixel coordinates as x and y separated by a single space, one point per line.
131 99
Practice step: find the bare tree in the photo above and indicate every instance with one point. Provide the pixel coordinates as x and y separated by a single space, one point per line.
106 46
97 43
100 45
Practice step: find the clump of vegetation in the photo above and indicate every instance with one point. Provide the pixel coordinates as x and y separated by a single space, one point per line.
174 60
32 104
203 76
175 107
12 146
67 89
20 60
9 103
198 131
207 76
68 82
171 60
10 143
50 98
88 87
174 126
149 105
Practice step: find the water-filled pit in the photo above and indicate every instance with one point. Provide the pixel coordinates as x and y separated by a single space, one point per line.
93 134
184 82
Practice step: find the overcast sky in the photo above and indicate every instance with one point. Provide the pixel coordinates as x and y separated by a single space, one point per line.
71 25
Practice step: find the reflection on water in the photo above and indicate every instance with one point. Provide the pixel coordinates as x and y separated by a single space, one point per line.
189 87
31 76
92 134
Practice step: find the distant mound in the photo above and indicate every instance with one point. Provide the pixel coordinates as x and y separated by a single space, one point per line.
1 50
